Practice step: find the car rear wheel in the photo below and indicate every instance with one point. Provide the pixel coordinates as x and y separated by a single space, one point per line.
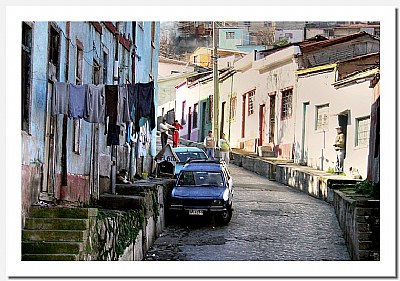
225 217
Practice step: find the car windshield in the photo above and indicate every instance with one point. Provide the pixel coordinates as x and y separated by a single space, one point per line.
194 155
201 178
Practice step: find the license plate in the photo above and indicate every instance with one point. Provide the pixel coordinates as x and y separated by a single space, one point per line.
196 212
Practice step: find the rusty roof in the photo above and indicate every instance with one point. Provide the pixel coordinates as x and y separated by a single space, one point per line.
312 46
357 25
359 57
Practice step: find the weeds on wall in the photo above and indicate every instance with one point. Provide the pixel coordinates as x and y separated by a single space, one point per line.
368 188
121 230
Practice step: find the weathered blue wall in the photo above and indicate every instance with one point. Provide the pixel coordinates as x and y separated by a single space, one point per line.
79 165
144 72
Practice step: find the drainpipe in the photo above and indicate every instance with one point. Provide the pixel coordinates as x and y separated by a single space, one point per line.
116 81
216 82
132 166
230 108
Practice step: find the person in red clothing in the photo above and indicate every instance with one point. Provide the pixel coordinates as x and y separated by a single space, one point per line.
175 134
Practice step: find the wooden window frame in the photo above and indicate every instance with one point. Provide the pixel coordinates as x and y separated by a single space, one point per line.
26 76
229 35
321 125
105 66
250 102
76 147
195 115
183 121
96 72
233 105
287 104
79 63
366 132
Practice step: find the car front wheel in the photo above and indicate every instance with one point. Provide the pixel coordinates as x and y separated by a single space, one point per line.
225 217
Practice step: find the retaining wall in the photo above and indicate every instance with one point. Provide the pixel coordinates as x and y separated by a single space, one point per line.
358 217
129 222
360 221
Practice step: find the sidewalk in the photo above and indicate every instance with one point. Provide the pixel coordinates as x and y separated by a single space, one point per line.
316 183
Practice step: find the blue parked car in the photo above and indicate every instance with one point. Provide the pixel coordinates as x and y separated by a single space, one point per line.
187 153
203 187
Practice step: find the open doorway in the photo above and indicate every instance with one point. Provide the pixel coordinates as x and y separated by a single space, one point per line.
343 120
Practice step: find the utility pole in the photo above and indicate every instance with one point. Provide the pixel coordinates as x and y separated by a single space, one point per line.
216 83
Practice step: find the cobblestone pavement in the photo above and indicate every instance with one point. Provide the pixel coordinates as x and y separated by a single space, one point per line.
271 222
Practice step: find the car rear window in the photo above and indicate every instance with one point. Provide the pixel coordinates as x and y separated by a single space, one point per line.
193 178
194 155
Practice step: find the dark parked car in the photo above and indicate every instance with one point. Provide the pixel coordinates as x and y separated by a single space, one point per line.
185 154
203 187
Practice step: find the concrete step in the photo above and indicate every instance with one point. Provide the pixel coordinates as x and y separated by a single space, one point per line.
52 257
62 212
44 247
54 235
56 224
121 202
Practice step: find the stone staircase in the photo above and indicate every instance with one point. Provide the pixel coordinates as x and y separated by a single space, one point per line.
56 233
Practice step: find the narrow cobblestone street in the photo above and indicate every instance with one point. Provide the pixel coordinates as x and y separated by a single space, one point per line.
271 222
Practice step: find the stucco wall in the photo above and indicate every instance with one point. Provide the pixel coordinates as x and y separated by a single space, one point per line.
318 144
196 94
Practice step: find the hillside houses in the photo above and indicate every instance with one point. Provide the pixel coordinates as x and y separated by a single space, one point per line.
287 101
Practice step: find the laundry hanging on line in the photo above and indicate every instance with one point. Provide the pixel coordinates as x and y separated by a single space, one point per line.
143 93
122 104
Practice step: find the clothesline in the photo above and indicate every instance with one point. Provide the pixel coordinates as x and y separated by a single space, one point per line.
122 104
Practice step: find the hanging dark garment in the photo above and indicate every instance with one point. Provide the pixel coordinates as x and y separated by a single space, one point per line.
77 100
113 134
144 104
112 103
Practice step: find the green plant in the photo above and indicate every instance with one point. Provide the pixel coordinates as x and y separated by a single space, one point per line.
332 171
365 187
282 42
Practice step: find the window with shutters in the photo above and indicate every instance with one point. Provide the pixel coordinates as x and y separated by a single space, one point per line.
96 73
79 63
322 117
195 114
362 131
232 112
183 120
105 66
77 136
286 106
78 81
250 102
54 51
230 35
26 76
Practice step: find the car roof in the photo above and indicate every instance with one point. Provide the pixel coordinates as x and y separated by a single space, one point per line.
203 165
186 148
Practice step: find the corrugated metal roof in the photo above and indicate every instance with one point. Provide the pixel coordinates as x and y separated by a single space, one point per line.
322 44
359 57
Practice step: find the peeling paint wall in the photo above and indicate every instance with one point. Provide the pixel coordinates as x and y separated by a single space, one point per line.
79 165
